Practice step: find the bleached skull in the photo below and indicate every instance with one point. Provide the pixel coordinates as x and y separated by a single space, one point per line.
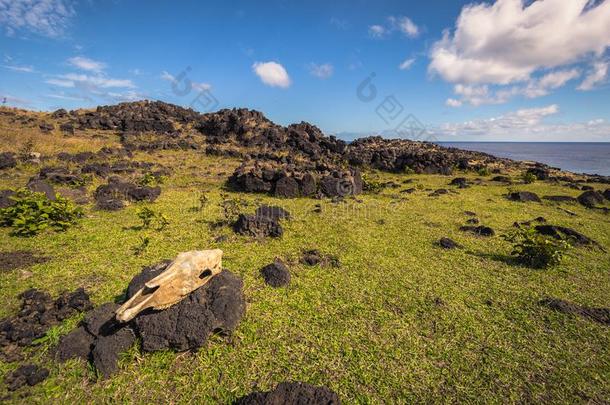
188 272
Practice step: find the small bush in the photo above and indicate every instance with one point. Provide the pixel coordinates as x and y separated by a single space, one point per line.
408 170
371 186
32 213
142 246
484 171
231 207
150 180
528 177
148 217
535 250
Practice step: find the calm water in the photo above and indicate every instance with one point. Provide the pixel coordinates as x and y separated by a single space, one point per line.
592 158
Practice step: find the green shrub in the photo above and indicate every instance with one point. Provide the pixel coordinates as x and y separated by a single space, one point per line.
528 177
231 207
535 250
371 186
148 216
150 180
32 213
484 171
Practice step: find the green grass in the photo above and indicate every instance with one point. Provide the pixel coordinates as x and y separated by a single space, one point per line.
401 320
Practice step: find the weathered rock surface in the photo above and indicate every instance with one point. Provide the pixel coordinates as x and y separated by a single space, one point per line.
478 230
111 196
258 226
314 257
7 160
447 243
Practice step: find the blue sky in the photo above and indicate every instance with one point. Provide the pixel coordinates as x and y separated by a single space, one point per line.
503 70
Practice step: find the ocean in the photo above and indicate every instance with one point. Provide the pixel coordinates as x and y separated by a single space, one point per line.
577 157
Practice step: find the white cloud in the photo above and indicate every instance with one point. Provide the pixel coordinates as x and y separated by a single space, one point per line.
452 102
323 71
406 64
71 80
525 125
399 23
377 31
272 74
540 87
405 25
507 41
22 69
44 17
477 95
87 64
596 76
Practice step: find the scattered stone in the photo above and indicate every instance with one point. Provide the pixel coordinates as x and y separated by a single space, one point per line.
46 127
257 226
291 393
77 195
409 190
101 320
601 315
59 175
606 194
472 221
19 259
447 243
38 313
478 230
287 187
29 374
273 212
502 179
111 196
560 232
540 173
7 160
591 198
438 192
523 196
276 274
460 182
314 257
559 198
470 213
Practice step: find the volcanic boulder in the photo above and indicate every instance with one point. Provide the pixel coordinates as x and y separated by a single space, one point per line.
7 160
276 274
591 198
523 196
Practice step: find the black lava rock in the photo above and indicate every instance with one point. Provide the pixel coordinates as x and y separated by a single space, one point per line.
523 196
478 230
276 274
257 226
447 243
591 198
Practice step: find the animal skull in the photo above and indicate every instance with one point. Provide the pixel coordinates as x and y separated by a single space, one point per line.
188 272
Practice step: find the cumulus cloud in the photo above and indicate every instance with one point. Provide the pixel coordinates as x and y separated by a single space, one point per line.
477 95
323 71
406 64
48 18
272 74
507 41
597 75
83 63
393 24
525 125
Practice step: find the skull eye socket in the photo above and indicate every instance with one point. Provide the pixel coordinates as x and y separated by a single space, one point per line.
205 273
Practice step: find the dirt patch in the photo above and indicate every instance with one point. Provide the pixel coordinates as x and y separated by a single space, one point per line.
291 393
601 315
314 257
19 259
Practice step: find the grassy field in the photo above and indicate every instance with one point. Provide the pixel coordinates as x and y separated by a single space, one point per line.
401 321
